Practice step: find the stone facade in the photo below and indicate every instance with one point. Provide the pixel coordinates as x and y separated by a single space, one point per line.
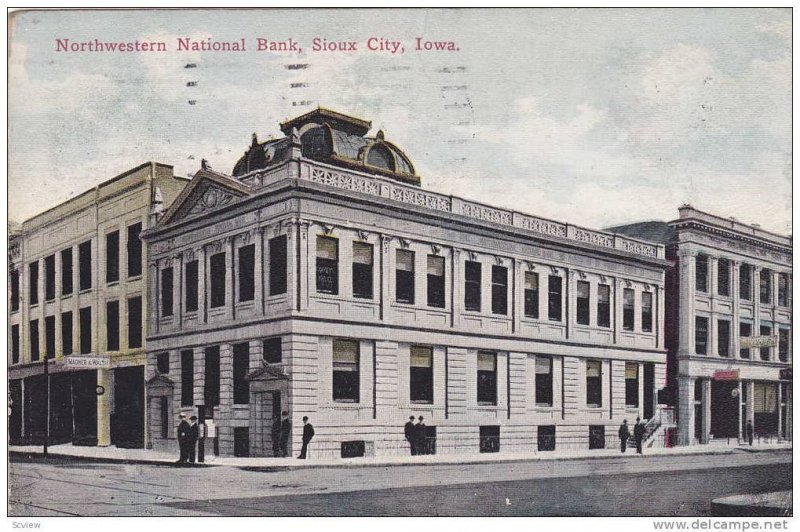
359 404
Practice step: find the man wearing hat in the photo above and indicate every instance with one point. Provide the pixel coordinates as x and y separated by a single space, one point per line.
286 431
194 434
409 433
183 438
420 434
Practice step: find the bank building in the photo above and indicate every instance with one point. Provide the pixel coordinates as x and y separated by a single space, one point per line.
321 278
728 321
76 321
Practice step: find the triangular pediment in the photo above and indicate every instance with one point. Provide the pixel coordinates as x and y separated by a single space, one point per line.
206 192
266 372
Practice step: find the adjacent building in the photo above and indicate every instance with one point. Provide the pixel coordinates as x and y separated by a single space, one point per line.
321 279
728 322
77 306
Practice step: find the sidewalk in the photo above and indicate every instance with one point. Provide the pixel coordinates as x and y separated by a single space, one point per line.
150 457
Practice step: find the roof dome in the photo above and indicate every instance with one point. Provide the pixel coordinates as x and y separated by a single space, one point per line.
333 138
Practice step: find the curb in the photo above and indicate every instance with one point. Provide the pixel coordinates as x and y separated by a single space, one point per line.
34 456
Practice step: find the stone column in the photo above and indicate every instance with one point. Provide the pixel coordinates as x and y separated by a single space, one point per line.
685 410
104 408
713 338
706 402
75 305
258 271
305 271
756 305
749 403
735 265
177 289
569 306
616 308
739 407
457 283
780 410
713 277
202 283
230 277
661 324
686 262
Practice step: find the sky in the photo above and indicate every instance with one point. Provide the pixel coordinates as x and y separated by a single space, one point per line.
596 117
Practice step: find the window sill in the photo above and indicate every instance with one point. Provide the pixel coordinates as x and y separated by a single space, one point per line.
492 405
135 278
110 284
84 291
66 296
421 403
595 408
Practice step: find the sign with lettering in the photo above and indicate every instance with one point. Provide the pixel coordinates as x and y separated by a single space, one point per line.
87 361
748 342
726 375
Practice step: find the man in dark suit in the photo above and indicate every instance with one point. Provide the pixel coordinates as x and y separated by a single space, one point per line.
624 434
276 436
308 433
194 434
420 435
409 433
286 431
638 435
183 438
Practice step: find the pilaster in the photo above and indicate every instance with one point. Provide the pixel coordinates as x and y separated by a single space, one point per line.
685 410
686 264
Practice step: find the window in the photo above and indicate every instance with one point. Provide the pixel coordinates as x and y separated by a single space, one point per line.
134 322
85 330
327 265
50 277
765 287
421 376
85 265
247 272
745 330
532 295
435 281
217 280
66 271
34 335
724 277
277 265
544 381
14 290
134 245
647 312
783 345
594 383
192 285
472 286
783 289
554 298
701 335
33 283
66 333
745 282
362 270
162 363
187 377
489 438
241 366
211 388
499 290
766 330
597 437
15 344
166 291
112 325
631 384
112 257
627 308
603 305
50 337
546 437
723 337
404 276
272 351
701 273
582 304
487 378
346 372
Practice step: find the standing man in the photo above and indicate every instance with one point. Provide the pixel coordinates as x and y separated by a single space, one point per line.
750 432
638 434
183 438
624 434
191 441
276 436
420 435
409 433
308 433
286 430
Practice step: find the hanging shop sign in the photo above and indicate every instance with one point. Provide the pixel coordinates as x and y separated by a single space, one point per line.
726 375
749 342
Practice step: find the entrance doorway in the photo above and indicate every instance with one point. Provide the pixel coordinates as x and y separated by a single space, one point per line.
649 389
725 409
127 426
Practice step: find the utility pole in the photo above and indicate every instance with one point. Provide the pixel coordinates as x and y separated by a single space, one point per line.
47 403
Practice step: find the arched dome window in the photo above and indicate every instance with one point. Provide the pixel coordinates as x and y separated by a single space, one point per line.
316 143
380 156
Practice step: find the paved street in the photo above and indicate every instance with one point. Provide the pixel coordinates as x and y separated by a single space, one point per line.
659 485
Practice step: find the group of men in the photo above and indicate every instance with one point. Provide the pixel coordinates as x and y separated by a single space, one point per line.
282 428
416 436
625 434
188 434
